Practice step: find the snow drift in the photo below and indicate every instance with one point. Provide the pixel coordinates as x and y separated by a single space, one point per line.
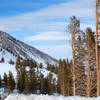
46 97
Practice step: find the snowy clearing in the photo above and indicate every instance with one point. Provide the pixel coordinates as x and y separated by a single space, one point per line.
46 97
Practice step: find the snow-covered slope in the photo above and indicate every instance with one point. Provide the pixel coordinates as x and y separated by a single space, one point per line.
46 97
18 48
6 66
10 49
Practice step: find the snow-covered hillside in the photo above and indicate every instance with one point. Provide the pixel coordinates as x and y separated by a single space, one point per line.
18 48
5 66
46 97
10 49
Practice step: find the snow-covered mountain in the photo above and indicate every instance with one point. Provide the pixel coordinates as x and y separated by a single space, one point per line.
10 49
18 48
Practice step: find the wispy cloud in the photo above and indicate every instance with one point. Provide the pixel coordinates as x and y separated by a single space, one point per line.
49 36
38 20
42 22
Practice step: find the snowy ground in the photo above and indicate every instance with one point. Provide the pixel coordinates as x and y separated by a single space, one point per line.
5 68
46 97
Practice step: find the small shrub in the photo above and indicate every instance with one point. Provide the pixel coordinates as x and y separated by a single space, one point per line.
2 60
11 62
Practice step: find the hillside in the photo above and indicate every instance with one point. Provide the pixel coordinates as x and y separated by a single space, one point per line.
10 49
18 48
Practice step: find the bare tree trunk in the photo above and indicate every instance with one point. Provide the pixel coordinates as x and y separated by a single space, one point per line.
97 57
74 68
88 72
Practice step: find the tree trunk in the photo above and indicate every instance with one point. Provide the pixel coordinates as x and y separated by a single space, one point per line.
97 57
74 72
88 73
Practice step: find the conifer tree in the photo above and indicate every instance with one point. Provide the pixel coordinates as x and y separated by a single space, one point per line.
79 57
74 28
65 78
90 41
18 64
27 84
21 80
10 82
50 84
46 86
5 80
41 81
0 82
32 78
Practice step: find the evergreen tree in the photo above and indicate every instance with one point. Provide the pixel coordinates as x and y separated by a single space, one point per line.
90 44
32 78
74 28
45 86
79 57
0 82
41 83
65 77
21 80
10 82
27 84
5 80
18 64
50 84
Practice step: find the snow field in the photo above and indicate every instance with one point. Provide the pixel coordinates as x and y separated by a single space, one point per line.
46 97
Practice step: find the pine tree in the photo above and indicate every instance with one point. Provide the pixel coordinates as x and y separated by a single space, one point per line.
79 57
41 81
10 82
74 28
46 86
5 80
27 84
65 77
50 84
21 80
90 41
32 78
0 82
69 79
18 64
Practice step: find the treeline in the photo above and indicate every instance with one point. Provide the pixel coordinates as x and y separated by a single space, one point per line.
30 78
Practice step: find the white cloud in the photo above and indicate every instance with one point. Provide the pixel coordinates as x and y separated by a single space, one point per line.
49 36
38 20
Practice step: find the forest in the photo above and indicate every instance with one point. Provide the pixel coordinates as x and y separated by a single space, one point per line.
30 80
74 77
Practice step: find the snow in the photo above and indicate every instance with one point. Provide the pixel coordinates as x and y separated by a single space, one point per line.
5 68
7 56
46 97
45 72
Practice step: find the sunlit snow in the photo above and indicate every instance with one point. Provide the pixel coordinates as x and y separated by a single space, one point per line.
46 97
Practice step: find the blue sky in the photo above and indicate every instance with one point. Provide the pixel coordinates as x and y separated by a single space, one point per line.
43 23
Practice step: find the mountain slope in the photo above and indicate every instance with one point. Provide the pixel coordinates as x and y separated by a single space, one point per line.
10 49
18 48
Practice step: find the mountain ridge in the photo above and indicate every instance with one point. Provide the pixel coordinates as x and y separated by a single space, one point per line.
25 51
